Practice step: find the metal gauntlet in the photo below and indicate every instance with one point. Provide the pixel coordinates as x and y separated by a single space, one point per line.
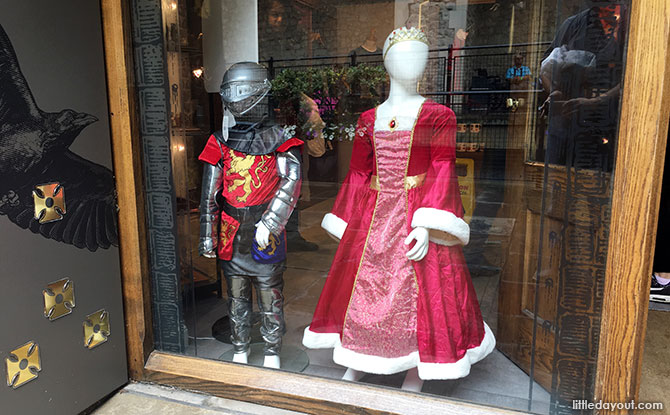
286 197
209 210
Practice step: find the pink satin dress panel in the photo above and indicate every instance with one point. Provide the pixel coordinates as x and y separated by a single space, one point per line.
382 316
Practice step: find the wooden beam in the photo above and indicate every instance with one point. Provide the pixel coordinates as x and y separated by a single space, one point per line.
298 392
129 185
636 195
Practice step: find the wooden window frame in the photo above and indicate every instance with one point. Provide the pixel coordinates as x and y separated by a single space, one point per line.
645 111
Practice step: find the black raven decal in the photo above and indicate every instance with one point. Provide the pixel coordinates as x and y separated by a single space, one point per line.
34 150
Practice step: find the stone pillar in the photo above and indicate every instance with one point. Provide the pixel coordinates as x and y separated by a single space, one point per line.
230 35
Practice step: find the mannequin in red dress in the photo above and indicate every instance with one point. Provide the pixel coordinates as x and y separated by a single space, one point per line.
398 296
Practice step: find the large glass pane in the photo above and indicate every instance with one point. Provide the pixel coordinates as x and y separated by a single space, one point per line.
450 231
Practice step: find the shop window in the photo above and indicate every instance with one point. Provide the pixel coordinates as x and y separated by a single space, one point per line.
402 193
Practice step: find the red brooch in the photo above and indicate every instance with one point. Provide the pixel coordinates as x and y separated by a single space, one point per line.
393 124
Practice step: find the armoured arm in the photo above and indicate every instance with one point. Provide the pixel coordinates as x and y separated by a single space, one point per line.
286 197
209 211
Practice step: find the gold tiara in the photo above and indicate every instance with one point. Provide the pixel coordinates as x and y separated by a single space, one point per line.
404 34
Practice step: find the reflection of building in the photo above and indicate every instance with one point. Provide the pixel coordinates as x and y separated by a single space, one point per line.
309 28
284 29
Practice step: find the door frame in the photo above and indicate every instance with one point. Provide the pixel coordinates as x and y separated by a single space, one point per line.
645 111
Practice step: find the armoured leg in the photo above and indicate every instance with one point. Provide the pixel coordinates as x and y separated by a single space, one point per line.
271 304
239 311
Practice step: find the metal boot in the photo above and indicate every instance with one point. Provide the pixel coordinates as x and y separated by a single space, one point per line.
239 311
271 304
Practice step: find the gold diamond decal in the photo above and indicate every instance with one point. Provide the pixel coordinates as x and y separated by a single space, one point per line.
23 364
58 299
96 329
49 202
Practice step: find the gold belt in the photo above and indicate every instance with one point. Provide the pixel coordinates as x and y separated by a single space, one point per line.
410 182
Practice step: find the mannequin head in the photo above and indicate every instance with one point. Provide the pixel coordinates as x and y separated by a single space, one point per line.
405 60
244 85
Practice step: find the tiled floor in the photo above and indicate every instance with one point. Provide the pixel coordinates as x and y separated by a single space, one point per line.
494 381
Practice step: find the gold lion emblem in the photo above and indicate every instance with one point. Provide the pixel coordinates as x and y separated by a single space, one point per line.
272 245
248 181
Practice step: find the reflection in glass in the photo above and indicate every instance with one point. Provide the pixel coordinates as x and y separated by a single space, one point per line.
532 91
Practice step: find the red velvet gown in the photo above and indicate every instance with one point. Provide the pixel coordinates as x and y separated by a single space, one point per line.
381 312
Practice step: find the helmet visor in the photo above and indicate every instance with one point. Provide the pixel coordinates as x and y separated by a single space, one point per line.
240 97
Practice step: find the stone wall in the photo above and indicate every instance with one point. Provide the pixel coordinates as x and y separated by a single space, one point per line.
435 21
355 21
320 27
325 28
335 27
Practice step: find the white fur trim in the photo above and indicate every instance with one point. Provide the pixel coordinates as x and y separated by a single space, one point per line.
374 364
314 340
334 225
442 220
386 366
460 368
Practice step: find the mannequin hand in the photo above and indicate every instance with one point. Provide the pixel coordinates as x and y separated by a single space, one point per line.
420 248
262 235
207 247
210 254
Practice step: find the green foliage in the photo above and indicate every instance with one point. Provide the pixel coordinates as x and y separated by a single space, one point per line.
338 92
328 81
367 78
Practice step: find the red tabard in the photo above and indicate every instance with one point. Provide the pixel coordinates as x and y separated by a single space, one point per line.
248 180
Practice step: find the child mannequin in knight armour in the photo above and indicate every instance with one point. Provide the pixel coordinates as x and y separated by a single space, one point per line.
256 169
